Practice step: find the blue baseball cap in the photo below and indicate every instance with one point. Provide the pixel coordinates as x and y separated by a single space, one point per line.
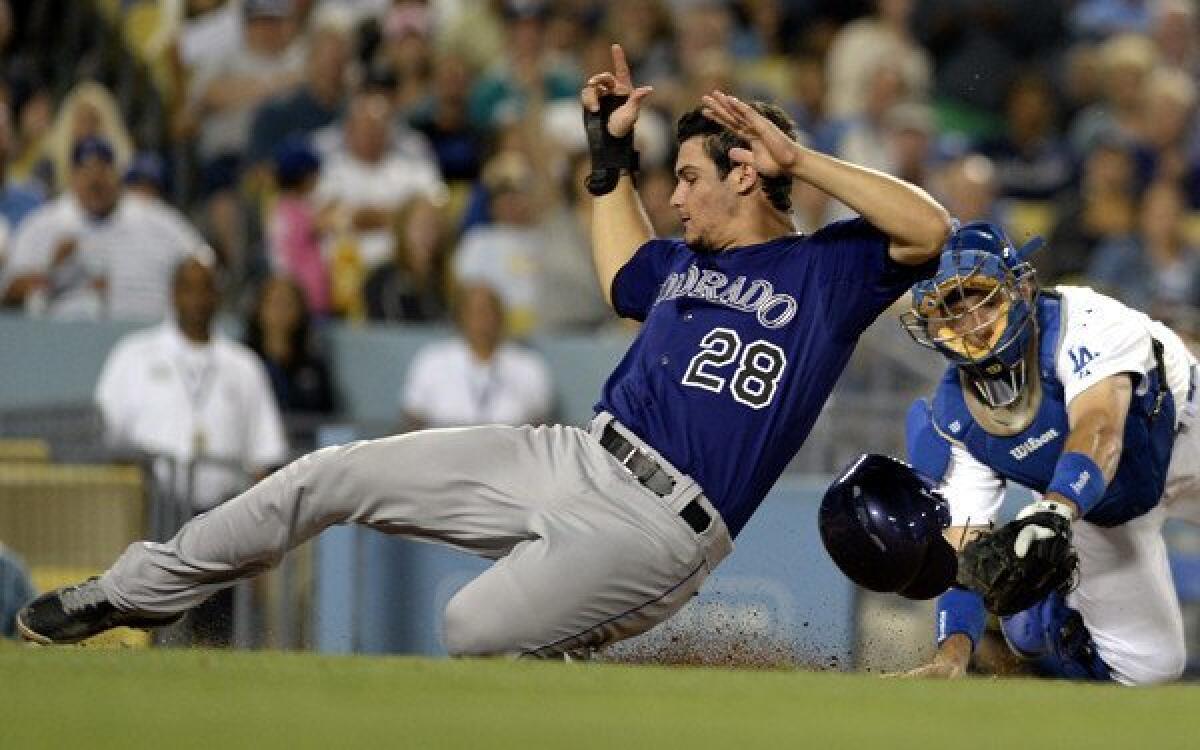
147 168
92 147
294 160
267 8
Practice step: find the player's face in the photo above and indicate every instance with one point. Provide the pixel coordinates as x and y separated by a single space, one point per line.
704 201
974 323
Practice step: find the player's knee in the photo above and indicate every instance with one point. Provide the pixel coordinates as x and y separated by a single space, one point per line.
468 631
1164 664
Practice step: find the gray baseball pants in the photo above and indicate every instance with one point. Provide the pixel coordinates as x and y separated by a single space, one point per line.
585 555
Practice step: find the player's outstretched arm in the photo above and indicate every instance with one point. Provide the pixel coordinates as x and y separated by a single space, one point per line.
917 224
955 649
949 662
619 222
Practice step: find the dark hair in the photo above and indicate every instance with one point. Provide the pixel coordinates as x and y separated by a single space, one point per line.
299 340
718 140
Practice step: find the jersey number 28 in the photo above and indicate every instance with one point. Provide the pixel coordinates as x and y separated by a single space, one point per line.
759 368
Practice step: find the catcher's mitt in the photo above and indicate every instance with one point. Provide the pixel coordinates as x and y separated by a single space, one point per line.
1020 563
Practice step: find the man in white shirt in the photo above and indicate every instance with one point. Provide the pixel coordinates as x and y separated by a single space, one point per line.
184 391
507 253
369 178
91 253
478 377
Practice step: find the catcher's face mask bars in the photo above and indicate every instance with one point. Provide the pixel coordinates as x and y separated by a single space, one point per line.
966 317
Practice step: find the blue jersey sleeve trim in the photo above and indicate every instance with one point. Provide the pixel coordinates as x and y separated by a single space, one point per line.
928 451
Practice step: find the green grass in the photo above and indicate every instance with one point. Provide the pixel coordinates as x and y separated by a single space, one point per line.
88 698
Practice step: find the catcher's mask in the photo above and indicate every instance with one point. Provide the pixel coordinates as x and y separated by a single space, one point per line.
978 309
882 524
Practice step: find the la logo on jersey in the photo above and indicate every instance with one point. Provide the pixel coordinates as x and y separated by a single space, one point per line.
1021 451
1081 357
773 309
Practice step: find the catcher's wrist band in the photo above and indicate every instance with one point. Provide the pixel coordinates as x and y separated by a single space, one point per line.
1079 479
610 155
960 611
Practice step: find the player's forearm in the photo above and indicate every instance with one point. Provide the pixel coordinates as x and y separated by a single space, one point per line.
955 650
906 213
1096 440
619 227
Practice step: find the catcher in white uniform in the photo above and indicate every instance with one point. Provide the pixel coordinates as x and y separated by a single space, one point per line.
1088 403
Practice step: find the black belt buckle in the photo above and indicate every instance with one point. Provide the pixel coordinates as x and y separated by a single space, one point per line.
696 516
650 474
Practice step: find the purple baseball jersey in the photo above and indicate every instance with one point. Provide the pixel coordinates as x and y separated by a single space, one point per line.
739 350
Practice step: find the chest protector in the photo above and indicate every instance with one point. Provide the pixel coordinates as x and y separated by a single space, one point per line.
1029 456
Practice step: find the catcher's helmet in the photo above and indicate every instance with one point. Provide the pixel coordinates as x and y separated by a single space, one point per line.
882 524
978 309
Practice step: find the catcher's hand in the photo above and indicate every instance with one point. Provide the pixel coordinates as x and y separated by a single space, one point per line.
1022 562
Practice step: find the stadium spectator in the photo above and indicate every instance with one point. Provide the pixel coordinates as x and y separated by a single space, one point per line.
980 47
910 139
443 119
570 298
407 51
646 33
17 200
362 186
1156 269
279 331
967 188
92 253
507 252
477 377
412 287
805 99
184 390
864 136
88 111
316 103
1175 33
1032 160
226 93
1103 207
223 98
497 96
861 46
1166 140
32 110
1126 62
293 227
210 32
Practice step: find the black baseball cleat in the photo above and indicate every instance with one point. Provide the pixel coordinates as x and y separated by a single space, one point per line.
73 613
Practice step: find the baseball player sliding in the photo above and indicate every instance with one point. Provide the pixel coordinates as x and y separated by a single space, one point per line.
1072 394
602 532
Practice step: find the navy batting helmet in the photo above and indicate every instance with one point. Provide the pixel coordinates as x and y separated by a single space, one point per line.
882 524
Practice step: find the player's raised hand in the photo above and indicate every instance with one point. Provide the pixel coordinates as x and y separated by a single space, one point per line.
618 82
771 151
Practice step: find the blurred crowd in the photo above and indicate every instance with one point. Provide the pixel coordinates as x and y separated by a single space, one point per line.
362 159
